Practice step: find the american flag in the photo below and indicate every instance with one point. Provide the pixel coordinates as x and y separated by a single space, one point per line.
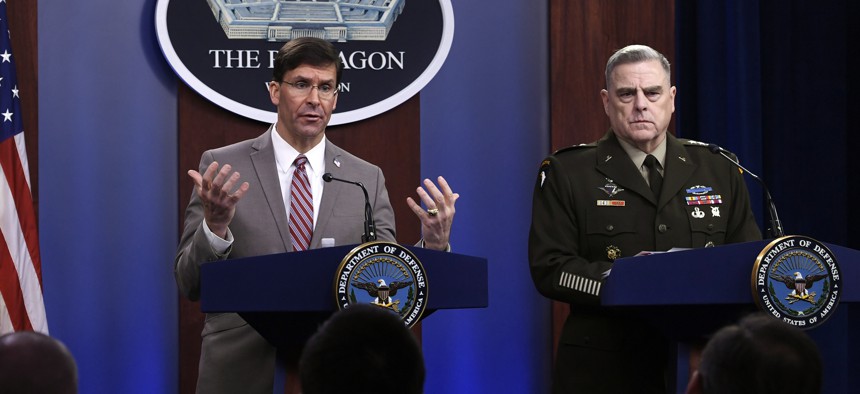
21 304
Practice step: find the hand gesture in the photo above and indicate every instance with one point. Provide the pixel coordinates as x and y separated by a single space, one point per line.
437 219
219 201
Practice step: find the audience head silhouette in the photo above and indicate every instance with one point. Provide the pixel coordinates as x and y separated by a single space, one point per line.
362 349
35 363
759 355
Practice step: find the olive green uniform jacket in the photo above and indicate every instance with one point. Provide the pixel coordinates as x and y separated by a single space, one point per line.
591 205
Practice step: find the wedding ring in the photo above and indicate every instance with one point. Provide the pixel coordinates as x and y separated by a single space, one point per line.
433 212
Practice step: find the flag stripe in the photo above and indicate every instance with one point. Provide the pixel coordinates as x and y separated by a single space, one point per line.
21 267
10 289
19 186
22 306
5 320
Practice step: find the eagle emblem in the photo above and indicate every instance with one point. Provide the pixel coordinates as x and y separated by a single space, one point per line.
798 284
386 275
382 293
796 279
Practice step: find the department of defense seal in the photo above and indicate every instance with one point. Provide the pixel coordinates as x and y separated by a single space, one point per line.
384 274
796 279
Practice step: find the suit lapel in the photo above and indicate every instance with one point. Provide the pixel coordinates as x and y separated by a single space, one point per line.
615 164
333 163
679 168
263 159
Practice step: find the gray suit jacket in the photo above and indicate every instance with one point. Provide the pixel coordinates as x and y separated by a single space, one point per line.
234 357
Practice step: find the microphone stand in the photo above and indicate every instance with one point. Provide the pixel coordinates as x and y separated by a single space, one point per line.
369 224
776 230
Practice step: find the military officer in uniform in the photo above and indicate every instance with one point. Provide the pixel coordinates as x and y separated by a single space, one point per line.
636 189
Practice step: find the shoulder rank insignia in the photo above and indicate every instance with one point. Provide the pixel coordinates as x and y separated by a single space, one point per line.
578 146
694 142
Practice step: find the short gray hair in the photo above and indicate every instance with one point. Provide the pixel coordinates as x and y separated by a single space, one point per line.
636 54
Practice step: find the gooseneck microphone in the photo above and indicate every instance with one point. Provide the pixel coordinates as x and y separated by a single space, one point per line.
369 225
775 225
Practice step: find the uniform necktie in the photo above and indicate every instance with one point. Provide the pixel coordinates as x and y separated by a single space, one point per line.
301 207
654 177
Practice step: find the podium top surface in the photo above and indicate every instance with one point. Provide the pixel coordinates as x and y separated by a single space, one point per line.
304 281
706 276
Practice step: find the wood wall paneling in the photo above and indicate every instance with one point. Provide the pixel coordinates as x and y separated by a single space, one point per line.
583 34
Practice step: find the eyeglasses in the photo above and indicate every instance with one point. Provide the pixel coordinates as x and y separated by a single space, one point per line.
302 88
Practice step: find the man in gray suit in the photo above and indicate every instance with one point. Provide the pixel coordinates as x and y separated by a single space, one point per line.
229 219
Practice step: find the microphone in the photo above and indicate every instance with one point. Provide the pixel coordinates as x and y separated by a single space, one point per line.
369 225
775 225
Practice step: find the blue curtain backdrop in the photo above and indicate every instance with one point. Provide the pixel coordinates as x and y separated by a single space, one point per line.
108 180
478 130
107 177
770 80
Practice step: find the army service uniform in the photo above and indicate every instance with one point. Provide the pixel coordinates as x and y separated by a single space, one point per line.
592 205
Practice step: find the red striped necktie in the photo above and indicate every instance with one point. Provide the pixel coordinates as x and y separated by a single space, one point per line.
301 207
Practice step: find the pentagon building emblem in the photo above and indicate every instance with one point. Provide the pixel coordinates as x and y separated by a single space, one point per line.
796 279
384 274
338 20
225 49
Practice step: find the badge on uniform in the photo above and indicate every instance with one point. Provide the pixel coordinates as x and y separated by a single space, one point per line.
698 195
613 252
610 188
544 167
704 200
699 190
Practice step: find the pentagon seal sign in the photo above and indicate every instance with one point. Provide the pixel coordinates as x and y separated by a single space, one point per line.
796 279
225 49
384 274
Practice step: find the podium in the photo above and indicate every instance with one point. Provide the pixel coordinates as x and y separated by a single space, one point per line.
286 296
690 294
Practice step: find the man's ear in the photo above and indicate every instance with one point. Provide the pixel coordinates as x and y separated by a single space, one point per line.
695 384
274 92
604 96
